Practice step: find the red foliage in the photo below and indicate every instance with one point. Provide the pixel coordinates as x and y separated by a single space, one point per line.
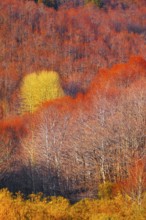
135 184
119 76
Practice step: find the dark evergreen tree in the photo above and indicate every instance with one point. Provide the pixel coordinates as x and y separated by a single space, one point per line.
49 3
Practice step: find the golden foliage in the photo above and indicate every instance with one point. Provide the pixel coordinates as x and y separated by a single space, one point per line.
38 88
105 190
36 207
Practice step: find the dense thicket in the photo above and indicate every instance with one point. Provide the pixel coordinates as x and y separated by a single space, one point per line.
36 207
75 42
96 133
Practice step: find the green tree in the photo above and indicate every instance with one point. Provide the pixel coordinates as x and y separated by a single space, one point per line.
99 3
38 88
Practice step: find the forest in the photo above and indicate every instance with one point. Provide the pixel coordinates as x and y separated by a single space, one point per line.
73 109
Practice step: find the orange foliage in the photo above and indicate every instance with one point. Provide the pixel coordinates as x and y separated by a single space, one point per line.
15 124
119 76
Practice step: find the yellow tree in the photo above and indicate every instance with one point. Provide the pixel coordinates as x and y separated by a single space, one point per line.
38 88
